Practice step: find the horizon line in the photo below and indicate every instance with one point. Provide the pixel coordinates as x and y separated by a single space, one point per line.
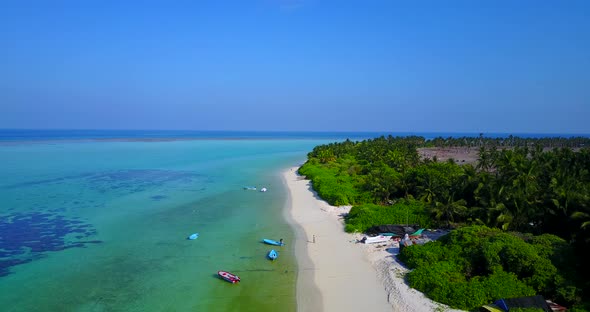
300 131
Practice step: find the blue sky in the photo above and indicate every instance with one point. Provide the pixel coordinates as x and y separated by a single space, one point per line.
451 66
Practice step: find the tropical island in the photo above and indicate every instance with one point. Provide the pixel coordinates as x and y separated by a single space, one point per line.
519 211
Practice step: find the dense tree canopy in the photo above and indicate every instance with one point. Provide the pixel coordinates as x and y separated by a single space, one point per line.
538 186
476 265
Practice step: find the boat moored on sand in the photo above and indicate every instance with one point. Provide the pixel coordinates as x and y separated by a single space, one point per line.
376 239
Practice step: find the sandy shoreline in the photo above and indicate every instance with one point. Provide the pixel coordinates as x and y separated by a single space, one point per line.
336 273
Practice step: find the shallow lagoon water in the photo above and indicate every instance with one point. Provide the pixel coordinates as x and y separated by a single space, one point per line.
103 226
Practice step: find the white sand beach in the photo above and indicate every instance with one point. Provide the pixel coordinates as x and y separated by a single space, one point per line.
338 274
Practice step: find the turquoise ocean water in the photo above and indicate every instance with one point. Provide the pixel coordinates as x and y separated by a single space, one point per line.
102 225
98 220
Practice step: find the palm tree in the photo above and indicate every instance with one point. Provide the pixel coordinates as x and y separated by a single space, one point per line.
449 209
485 161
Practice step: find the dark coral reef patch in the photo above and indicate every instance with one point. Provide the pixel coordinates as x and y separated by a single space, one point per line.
25 237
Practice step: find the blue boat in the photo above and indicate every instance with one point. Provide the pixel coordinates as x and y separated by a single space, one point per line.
194 236
273 254
272 242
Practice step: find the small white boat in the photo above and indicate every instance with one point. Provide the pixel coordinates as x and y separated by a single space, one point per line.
263 189
376 239
194 236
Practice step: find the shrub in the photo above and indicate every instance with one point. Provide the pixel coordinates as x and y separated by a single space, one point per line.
476 265
334 184
502 284
414 256
363 217
436 278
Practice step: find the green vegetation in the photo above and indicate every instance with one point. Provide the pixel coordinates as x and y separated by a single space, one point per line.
476 265
362 217
518 185
332 184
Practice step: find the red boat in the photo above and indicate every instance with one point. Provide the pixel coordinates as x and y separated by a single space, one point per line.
232 278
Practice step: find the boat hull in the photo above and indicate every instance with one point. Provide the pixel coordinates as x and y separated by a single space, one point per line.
376 239
272 242
232 278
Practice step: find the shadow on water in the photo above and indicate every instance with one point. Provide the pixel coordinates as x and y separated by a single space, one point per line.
158 197
256 270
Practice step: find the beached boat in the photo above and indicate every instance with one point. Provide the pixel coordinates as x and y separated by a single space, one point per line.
272 255
194 236
375 239
232 278
272 242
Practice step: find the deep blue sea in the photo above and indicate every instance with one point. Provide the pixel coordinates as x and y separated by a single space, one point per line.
98 220
19 135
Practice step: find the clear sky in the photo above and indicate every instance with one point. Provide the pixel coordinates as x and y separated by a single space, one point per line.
449 66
